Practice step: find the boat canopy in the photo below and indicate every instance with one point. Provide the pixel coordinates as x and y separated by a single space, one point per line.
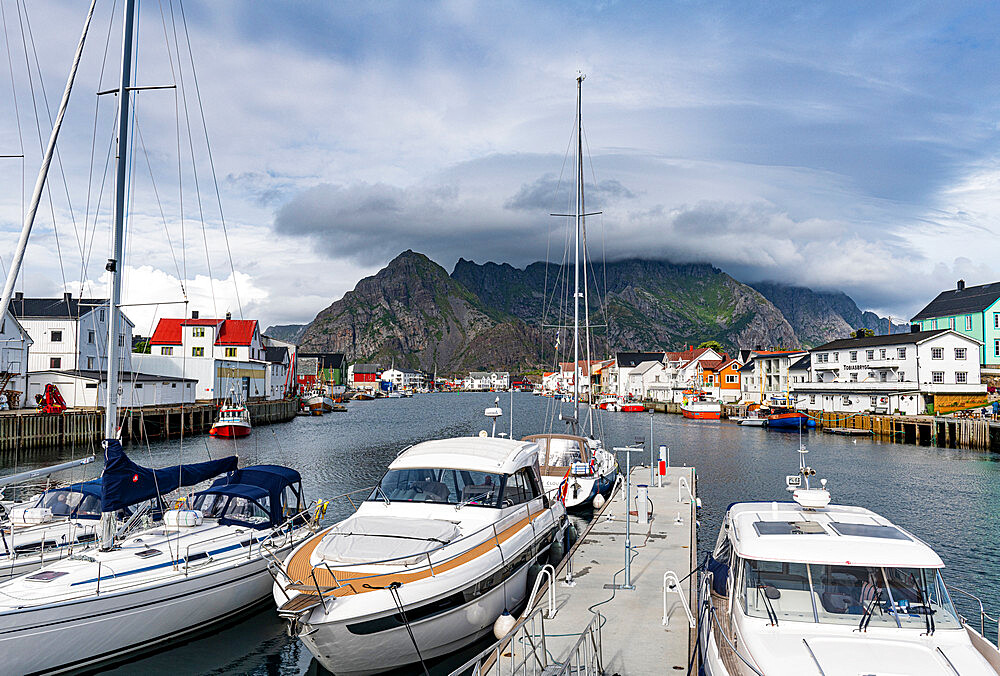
275 489
126 483
557 452
77 501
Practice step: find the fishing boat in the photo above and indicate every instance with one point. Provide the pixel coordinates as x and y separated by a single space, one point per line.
234 420
318 399
787 418
427 563
809 587
632 407
608 403
699 405
394 394
363 396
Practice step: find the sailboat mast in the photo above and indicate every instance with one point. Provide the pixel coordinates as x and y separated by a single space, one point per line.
115 265
576 258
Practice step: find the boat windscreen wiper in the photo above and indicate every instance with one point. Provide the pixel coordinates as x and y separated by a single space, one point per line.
474 498
926 607
768 590
866 617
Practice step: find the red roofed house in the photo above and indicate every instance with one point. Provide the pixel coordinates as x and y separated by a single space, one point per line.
225 355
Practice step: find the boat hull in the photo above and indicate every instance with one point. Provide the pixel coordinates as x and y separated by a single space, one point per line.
229 430
632 408
789 421
700 413
108 628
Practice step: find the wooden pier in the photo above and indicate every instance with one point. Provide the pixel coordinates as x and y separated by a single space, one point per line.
27 429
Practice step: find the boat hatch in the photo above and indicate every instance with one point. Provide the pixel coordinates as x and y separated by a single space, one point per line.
789 528
47 575
868 530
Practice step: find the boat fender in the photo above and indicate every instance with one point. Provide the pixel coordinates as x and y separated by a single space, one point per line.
503 625
182 517
30 515
572 535
556 552
599 501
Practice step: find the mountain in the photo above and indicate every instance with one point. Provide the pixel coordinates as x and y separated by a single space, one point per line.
414 314
290 333
649 304
819 317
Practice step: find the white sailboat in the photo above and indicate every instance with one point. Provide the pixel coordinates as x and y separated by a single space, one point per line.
577 464
146 586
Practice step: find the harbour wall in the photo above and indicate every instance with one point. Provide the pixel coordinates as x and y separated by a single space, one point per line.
21 430
924 430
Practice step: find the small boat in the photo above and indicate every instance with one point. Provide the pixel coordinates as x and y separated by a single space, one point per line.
786 418
234 421
752 421
699 405
439 550
578 468
363 396
608 403
338 408
807 587
632 407
317 399
395 394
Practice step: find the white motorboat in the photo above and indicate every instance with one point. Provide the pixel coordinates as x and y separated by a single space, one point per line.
207 562
440 549
579 469
814 588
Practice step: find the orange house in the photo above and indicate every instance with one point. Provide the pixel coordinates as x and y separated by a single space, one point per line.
729 380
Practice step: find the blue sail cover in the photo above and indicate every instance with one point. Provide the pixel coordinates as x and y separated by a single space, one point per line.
126 483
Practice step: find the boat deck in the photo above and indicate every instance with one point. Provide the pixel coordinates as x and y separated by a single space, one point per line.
633 638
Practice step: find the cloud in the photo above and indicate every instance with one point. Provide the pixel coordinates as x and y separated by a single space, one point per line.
547 191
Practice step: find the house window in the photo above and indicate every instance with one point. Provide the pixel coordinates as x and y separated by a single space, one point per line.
121 340
847 400
138 386
854 376
900 353
167 350
55 362
732 379
56 336
90 363
90 337
901 376
951 323
937 353
869 355
197 352
101 315
968 322
836 356
996 348
937 377
198 331
881 353
173 386
854 355
230 351
873 401
824 357
884 376
960 353
812 398
961 377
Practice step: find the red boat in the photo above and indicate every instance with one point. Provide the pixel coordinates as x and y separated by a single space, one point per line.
234 421
633 408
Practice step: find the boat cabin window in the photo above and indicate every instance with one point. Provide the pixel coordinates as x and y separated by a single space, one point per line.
232 508
520 488
291 499
564 452
451 486
71 503
892 597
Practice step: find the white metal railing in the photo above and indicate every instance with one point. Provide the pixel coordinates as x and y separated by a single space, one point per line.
672 583
983 615
682 486
549 571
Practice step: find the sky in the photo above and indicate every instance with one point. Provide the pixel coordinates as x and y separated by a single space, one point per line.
842 146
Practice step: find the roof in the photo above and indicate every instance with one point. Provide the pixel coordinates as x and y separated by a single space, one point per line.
65 308
749 366
687 355
831 546
327 360
367 368
645 366
801 364
91 374
729 361
890 339
961 301
768 353
276 355
480 454
231 331
479 374
633 359
713 364
583 365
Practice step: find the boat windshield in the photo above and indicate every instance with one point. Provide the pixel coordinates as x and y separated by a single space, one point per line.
564 452
886 597
232 508
65 502
451 486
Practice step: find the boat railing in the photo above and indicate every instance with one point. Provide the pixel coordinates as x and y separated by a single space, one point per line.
707 619
474 539
983 615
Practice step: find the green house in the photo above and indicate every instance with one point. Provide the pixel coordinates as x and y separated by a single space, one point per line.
971 310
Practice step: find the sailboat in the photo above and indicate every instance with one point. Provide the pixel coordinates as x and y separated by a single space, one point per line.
577 464
146 585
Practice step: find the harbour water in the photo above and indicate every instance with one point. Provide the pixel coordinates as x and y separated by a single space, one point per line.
950 498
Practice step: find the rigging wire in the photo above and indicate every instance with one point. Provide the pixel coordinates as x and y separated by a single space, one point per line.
17 112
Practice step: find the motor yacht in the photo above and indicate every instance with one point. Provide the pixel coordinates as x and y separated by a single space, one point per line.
812 588
441 548
206 563
578 467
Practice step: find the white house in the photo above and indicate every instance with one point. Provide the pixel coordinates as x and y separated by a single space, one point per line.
617 380
70 333
764 377
476 381
905 372
277 380
403 379
88 389
14 344
226 356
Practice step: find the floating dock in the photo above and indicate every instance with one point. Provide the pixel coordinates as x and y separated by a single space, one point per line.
631 634
847 431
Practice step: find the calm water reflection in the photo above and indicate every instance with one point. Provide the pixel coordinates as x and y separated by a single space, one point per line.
947 497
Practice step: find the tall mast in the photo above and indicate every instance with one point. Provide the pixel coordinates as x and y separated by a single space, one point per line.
576 260
116 264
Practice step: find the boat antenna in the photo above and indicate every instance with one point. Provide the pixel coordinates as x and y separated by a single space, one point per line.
116 265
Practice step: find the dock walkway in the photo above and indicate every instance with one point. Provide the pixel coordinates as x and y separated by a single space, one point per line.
633 638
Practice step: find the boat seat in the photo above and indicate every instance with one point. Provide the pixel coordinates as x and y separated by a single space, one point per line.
435 488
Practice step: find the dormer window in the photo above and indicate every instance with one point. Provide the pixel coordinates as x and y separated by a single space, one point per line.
198 332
